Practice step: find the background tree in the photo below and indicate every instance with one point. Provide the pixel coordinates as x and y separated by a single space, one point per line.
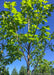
23 71
33 43
4 71
52 71
14 72
44 67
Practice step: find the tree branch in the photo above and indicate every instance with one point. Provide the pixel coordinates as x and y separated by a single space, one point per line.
16 32
37 63
24 55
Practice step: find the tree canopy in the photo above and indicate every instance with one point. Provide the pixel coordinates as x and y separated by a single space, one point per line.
34 42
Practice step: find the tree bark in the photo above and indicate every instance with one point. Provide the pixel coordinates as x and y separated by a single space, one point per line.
28 65
28 62
28 24
28 56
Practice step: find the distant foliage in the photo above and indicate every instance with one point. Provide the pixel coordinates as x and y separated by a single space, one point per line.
44 67
14 72
4 71
23 71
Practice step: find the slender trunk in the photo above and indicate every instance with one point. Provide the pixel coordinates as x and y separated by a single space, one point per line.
28 64
28 57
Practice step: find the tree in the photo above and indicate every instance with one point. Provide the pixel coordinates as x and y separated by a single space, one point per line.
3 63
4 71
14 72
43 68
33 43
52 71
22 71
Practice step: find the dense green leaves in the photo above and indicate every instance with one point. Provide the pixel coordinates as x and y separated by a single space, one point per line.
4 71
14 72
34 14
43 67
23 71
3 63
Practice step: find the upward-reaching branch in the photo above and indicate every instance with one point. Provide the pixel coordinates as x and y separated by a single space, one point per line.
24 56
28 23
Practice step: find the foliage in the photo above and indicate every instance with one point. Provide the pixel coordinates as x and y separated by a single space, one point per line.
14 72
3 63
44 67
4 71
34 42
52 70
22 71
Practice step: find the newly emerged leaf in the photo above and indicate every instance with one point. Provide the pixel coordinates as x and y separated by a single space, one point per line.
13 4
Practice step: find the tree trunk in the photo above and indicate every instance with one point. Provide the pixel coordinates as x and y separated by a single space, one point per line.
28 65
28 61
28 56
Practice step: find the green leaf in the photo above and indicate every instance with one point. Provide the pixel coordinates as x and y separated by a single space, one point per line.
7 5
52 49
13 3
46 27
53 62
45 1
45 20
14 10
35 26
49 14
47 33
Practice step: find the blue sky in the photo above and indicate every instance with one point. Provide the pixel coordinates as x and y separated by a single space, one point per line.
49 54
